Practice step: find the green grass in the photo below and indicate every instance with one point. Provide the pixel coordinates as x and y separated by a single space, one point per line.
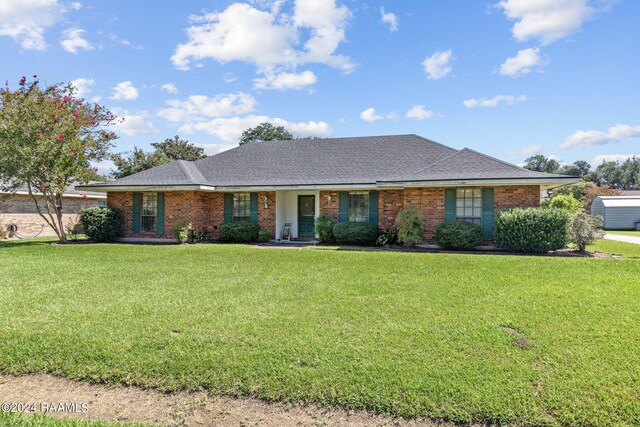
8 419
628 250
625 233
401 333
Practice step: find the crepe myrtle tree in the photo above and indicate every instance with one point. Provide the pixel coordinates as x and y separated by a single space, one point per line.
48 139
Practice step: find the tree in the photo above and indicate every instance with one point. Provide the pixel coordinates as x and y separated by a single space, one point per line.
563 201
624 176
265 132
48 138
540 163
179 149
164 152
579 169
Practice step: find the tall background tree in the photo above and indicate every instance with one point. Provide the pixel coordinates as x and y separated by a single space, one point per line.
164 152
540 163
48 139
265 132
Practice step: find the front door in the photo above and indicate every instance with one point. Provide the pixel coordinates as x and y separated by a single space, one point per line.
306 215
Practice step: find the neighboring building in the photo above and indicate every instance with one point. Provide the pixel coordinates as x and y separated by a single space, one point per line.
20 209
352 179
619 212
631 193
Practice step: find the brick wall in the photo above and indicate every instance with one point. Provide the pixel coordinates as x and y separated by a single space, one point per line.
330 207
21 210
521 196
204 210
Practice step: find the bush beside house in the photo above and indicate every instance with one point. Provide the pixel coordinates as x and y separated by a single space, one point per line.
239 232
102 224
409 223
532 230
458 235
324 227
183 231
355 233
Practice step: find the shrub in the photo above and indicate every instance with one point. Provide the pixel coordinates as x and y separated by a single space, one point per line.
324 227
389 237
532 229
355 233
585 229
409 224
101 224
183 231
458 235
563 201
239 232
264 235
202 236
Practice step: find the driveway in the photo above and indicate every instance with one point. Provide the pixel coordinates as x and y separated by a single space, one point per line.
622 238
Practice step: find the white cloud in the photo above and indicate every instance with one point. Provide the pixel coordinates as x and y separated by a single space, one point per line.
230 77
523 62
419 112
26 21
73 40
170 88
588 138
132 124
531 150
545 20
612 158
124 91
201 107
391 19
493 102
230 129
114 38
271 40
438 65
76 5
370 115
83 86
284 81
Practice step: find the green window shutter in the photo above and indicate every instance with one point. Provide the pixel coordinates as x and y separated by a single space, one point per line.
450 204
160 214
373 207
343 202
253 207
137 197
228 207
487 213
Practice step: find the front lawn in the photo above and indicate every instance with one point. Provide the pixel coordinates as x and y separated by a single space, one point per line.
625 233
505 339
627 250
8 419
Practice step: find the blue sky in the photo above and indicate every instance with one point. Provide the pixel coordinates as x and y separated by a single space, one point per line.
509 78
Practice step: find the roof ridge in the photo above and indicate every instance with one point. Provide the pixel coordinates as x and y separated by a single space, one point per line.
511 165
189 174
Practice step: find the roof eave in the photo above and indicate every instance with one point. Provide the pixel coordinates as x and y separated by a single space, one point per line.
124 188
546 182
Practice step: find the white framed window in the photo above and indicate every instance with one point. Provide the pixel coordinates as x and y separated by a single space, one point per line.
149 212
358 207
469 205
241 206
102 203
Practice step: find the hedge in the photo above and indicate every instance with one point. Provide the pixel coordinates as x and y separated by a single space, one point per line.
102 224
355 233
239 232
458 235
532 229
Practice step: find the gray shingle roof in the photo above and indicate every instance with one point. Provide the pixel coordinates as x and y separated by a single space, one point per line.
333 161
70 191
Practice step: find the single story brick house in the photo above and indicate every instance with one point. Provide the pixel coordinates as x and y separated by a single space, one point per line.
20 209
352 179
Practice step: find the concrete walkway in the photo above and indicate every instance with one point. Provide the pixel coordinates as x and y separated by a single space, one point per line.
623 238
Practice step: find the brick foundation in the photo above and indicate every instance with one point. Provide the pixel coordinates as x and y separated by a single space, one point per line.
206 210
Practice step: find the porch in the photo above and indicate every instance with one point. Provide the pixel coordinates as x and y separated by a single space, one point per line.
300 209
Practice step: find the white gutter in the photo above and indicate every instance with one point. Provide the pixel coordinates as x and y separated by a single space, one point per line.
483 182
122 188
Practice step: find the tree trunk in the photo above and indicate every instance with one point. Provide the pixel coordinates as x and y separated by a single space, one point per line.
54 222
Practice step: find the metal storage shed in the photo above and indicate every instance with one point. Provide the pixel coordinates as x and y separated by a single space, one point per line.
619 212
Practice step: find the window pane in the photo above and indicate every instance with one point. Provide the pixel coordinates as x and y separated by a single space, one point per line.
460 212
459 202
477 203
149 212
358 207
468 192
459 192
241 206
469 205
